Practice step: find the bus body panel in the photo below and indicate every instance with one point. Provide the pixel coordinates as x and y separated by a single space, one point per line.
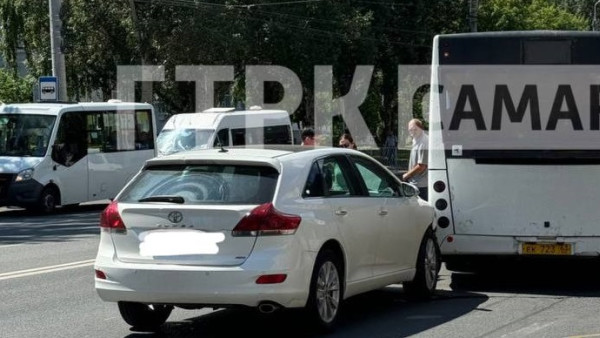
524 200
103 183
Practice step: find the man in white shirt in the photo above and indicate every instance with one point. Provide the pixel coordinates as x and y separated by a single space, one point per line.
417 165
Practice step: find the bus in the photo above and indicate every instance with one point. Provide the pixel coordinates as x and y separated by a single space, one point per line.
55 154
514 139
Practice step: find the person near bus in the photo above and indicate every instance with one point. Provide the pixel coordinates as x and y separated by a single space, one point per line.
417 164
308 137
390 148
346 141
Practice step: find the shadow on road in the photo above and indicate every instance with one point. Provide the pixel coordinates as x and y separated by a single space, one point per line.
20 226
382 313
556 278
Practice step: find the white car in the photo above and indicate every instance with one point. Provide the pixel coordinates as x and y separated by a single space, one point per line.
262 228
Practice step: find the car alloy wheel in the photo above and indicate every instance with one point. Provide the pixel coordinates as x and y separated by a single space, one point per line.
428 264
328 291
431 264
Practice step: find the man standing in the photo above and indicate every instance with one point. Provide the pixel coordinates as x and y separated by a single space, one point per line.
308 137
417 165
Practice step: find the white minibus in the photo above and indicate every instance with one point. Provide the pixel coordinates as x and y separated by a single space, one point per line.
67 153
225 127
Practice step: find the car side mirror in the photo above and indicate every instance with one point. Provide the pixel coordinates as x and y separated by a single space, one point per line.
409 190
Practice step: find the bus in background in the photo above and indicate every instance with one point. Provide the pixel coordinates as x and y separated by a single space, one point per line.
513 146
61 154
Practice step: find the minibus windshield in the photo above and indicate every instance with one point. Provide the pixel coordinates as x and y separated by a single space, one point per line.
25 134
171 141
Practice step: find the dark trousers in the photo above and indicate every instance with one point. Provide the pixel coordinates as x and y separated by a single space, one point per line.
423 193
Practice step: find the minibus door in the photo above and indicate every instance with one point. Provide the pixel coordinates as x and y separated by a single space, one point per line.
69 156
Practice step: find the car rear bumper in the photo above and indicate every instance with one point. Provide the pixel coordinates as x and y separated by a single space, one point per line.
206 285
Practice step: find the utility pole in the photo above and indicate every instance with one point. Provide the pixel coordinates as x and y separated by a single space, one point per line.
473 6
146 86
58 58
595 22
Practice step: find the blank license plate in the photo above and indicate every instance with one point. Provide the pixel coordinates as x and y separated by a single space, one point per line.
546 249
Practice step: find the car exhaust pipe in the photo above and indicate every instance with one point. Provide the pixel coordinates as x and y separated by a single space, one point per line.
268 307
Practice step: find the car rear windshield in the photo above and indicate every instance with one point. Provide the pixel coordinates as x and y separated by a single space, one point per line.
203 184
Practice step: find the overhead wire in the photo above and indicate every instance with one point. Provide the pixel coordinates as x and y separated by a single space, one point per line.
322 32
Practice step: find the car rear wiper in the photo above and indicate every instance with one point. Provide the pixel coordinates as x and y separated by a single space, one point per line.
164 198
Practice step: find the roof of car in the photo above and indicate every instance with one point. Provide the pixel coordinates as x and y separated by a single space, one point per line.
247 154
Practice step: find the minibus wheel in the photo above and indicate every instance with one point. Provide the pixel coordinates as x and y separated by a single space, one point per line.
48 200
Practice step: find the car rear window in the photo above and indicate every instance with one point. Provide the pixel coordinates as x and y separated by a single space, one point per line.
205 184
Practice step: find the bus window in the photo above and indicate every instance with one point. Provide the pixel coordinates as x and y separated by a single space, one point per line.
143 130
70 145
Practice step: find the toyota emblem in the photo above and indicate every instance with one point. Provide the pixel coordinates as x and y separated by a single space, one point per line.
175 217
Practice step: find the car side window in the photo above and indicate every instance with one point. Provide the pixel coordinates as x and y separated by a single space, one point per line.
315 184
336 182
377 182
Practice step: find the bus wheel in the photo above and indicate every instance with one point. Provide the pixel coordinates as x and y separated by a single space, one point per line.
48 200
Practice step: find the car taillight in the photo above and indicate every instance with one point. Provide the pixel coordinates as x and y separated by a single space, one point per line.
111 220
271 279
100 274
265 220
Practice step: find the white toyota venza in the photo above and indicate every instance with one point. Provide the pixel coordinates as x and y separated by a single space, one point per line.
262 228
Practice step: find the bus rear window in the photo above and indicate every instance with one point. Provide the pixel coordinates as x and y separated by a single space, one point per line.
547 52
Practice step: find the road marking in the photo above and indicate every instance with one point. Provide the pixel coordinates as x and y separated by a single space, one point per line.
586 336
10 245
528 330
46 269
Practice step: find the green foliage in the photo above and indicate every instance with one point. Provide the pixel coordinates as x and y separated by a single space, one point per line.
15 89
98 35
507 15
25 24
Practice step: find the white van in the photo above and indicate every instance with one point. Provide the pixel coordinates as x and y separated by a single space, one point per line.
58 154
225 127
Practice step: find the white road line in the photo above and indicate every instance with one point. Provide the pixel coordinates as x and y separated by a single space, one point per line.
10 245
46 269
527 330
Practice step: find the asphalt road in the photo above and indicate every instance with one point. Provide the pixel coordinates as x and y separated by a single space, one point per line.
47 290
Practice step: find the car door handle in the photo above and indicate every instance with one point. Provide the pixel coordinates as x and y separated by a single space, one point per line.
383 212
341 212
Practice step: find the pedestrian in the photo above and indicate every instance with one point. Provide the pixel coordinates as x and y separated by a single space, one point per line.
308 137
346 141
417 165
390 148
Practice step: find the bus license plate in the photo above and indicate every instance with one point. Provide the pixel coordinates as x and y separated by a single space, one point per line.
546 249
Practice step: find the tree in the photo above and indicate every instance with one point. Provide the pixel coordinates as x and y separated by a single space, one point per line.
14 88
506 15
25 25
97 37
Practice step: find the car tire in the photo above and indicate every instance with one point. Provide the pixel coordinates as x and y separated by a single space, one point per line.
49 199
428 266
326 291
144 317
